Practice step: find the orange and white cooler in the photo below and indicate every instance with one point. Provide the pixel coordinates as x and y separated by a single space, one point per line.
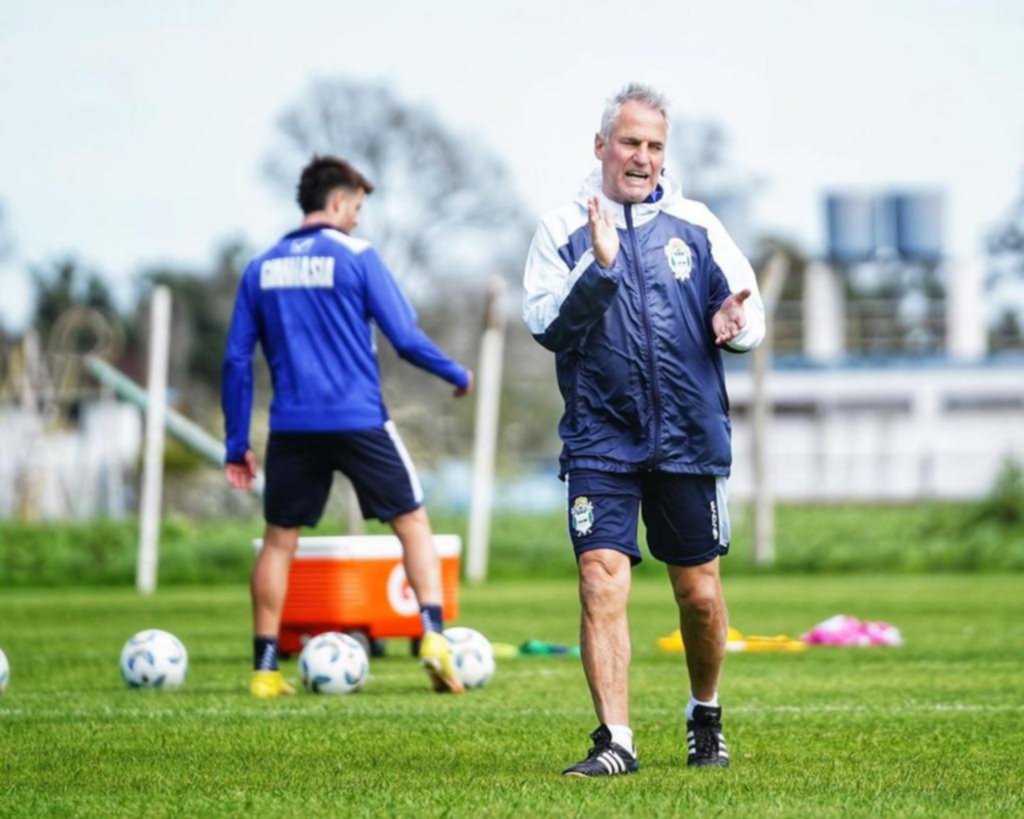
358 584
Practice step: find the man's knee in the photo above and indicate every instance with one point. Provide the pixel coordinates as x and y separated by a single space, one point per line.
281 538
410 521
604 578
699 596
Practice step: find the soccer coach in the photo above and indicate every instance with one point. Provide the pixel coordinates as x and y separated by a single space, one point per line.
309 301
636 290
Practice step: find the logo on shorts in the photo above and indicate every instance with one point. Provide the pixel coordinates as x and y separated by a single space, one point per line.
714 521
582 514
400 594
680 258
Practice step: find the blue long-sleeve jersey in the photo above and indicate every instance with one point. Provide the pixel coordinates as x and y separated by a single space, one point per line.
310 301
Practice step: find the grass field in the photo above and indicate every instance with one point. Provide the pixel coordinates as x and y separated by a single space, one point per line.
933 729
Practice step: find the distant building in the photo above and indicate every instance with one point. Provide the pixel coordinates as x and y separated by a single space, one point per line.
891 396
899 431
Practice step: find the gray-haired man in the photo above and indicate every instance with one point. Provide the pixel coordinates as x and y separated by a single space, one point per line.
636 290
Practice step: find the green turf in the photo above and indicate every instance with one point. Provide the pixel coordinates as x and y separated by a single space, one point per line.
933 729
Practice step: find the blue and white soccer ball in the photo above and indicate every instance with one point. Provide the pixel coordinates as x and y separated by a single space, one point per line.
473 655
5 671
333 663
154 659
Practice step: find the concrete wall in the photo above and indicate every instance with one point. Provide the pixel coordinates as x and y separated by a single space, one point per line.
886 434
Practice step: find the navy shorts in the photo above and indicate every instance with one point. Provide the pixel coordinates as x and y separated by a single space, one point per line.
686 516
301 467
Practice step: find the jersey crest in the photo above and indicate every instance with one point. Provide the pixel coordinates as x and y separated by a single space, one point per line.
680 258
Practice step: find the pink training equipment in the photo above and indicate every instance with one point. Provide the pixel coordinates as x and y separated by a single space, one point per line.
843 630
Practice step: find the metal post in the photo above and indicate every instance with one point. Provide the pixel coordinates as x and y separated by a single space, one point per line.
186 431
824 325
485 437
965 311
776 270
153 466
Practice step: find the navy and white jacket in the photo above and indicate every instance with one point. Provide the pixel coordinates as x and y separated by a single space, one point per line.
634 350
310 301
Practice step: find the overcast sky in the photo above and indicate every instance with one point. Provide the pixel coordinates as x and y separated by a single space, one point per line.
134 133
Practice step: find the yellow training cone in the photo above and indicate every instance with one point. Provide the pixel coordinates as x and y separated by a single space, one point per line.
673 643
780 642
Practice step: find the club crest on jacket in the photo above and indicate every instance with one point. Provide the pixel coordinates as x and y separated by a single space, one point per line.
680 258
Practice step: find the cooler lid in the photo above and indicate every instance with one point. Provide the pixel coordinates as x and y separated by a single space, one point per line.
365 547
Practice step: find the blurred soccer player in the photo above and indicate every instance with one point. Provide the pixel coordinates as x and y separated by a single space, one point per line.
635 289
309 301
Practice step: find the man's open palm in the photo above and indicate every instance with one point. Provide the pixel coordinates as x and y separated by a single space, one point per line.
731 317
603 236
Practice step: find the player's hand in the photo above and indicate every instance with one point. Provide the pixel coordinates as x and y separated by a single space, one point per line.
461 391
241 476
603 236
731 317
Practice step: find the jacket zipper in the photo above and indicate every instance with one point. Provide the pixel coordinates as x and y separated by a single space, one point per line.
574 391
649 332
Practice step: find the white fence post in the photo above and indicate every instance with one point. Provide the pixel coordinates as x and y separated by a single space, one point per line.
485 437
775 273
965 310
153 459
824 303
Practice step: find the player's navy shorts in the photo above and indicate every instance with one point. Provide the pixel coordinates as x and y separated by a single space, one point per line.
686 516
301 467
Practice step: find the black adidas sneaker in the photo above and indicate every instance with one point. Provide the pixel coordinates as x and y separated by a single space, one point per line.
705 743
605 758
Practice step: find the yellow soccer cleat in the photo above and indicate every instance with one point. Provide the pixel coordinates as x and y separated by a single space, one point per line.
436 657
266 685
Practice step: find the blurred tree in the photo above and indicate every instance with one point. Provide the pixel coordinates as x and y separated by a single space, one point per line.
699 156
1006 241
698 152
65 283
789 312
444 213
6 240
6 249
1005 245
202 304
444 216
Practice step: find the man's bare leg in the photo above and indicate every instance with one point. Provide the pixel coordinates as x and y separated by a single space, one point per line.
605 577
270 578
269 586
422 565
704 621
423 569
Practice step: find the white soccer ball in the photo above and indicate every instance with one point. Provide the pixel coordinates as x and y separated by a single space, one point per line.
473 655
154 659
333 663
5 671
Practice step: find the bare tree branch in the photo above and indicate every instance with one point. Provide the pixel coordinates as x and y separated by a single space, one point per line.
6 242
437 194
1006 243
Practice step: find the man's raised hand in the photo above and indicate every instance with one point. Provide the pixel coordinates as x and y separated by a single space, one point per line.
731 317
603 236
